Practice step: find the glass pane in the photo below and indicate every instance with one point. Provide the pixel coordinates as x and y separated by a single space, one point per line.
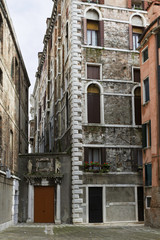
94 38
146 89
89 37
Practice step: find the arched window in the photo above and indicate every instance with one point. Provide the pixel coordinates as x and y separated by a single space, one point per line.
137 105
93 29
136 28
1 34
93 100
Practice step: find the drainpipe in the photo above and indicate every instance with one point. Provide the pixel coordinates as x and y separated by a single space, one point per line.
158 107
19 104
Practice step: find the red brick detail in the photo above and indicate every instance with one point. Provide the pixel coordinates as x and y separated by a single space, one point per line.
145 5
130 37
101 1
129 3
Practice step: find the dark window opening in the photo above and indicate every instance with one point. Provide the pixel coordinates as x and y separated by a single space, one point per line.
146 134
137 105
136 73
93 95
148 174
145 55
146 90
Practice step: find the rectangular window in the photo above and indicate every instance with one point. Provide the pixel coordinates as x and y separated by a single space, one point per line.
145 55
137 4
95 155
148 202
92 32
136 74
93 72
146 90
146 134
148 174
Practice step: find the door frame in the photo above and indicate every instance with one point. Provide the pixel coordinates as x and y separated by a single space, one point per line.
103 202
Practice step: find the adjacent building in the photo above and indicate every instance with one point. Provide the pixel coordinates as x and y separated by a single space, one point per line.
87 103
150 82
14 84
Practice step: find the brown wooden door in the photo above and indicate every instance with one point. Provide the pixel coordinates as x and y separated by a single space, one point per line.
44 204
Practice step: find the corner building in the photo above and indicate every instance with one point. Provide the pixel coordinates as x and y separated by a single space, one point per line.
93 94
14 84
150 82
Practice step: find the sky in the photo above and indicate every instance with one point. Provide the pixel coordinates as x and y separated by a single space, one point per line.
29 21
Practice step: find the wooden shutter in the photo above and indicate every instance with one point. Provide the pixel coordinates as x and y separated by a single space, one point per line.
93 108
101 34
86 154
136 75
150 132
148 174
85 30
144 142
130 37
103 155
93 72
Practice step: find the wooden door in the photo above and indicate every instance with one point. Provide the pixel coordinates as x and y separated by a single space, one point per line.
95 205
44 204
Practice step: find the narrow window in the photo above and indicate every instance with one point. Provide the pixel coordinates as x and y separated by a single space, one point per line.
148 174
67 111
92 32
146 90
1 77
137 4
136 73
137 31
1 34
145 55
93 72
93 95
146 134
148 202
67 45
137 105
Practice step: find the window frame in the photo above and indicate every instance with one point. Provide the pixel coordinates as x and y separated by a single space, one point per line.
96 65
143 52
148 181
146 135
148 197
145 98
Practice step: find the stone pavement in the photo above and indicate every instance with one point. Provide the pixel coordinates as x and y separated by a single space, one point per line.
86 232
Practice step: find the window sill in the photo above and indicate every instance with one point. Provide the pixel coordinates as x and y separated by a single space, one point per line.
146 103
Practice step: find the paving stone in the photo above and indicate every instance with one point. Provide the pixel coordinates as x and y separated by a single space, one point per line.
79 232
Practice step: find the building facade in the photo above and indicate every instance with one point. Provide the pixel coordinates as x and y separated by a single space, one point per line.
87 102
149 61
14 85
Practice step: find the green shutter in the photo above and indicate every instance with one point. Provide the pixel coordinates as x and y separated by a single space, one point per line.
158 40
85 154
150 131
144 142
103 155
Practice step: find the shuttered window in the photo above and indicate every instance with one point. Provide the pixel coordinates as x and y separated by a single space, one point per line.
148 174
146 134
146 90
136 73
93 32
93 99
93 72
137 105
